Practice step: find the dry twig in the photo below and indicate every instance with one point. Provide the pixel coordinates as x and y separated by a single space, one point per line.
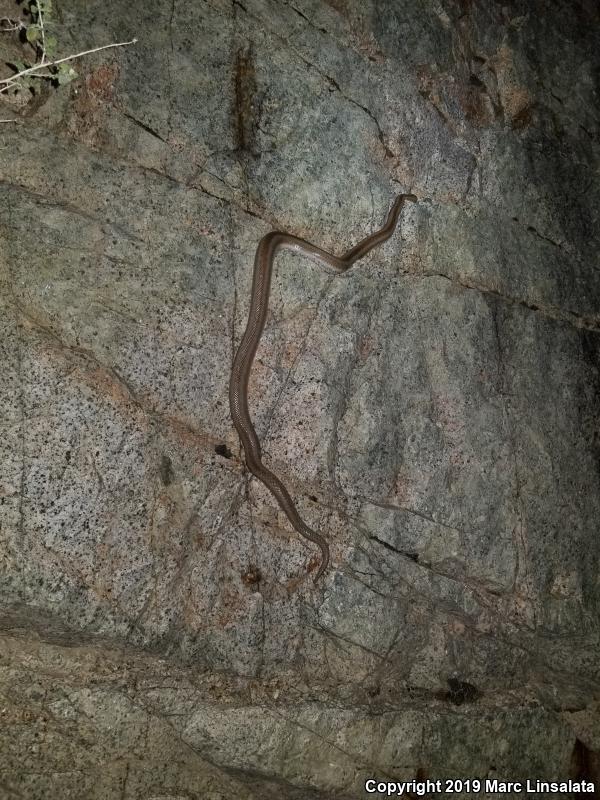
7 83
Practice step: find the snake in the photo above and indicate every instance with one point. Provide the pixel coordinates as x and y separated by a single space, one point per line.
267 249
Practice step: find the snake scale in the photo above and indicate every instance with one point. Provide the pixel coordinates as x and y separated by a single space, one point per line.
266 251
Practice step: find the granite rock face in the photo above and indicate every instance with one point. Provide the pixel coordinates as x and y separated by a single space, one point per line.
435 412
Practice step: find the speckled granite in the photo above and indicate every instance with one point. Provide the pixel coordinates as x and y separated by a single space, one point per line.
435 412
112 723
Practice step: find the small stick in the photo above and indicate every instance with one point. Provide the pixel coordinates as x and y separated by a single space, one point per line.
42 32
13 26
14 78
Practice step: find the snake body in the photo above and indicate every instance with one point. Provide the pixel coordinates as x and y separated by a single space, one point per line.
266 251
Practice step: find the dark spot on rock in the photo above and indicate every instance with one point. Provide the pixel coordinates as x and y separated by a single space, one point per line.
223 450
245 94
312 497
68 456
166 470
523 118
460 692
252 576
585 764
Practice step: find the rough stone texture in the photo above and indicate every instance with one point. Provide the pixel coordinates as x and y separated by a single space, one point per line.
435 411
113 723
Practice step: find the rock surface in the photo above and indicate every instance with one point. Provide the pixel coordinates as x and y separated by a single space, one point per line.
434 412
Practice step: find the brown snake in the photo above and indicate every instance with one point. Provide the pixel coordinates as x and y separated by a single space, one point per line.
266 251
